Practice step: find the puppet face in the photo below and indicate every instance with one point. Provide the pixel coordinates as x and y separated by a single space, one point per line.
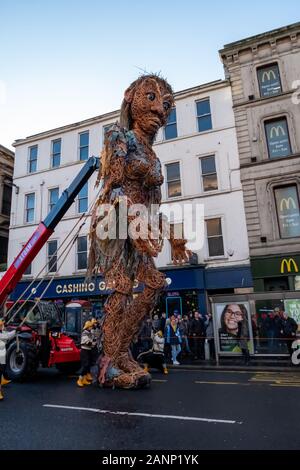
151 105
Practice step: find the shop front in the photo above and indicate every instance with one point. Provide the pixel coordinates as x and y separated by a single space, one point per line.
264 318
276 273
231 279
185 291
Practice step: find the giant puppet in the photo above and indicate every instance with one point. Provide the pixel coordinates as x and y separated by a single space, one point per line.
130 170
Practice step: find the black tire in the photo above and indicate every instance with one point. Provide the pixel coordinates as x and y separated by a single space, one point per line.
68 368
21 365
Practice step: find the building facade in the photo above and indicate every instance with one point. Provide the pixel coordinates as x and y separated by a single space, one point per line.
264 73
6 176
199 155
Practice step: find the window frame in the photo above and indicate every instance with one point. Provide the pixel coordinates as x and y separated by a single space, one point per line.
30 161
269 121
276 187
55 240
215 236
51 205
172 181
29 267
172 123
81 198
204 115
80 147
81 252
26 222
53 155
202 176
265 66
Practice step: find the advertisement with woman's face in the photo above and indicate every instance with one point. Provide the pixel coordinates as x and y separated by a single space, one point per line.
232 322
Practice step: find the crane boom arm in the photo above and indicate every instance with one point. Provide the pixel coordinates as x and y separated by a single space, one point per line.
45 230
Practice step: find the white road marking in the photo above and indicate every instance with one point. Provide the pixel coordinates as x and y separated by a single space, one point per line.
143 415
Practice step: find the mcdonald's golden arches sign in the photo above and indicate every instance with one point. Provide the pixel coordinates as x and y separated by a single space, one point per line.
289 265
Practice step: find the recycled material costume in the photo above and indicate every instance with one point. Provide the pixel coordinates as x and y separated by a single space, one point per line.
130 169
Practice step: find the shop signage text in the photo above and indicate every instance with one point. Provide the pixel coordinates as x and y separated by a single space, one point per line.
84 287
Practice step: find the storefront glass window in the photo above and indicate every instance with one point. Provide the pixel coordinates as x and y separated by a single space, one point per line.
267 327
297 282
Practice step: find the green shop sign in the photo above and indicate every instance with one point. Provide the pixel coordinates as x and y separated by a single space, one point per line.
288 265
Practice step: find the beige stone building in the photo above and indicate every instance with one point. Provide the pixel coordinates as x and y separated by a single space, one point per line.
6 175
264 71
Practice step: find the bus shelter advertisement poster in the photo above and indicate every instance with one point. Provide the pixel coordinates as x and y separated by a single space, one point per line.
292 308
232 323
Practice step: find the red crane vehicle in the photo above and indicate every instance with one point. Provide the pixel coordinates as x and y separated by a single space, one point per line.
41 339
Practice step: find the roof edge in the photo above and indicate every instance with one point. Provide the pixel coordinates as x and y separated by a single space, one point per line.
113 114
259 37
6 150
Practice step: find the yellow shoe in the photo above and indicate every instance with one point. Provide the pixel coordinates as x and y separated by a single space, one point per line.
89 377
166 371
1 396
85 381
4 381
80 382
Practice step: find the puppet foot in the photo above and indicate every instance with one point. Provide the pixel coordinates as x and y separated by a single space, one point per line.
134 380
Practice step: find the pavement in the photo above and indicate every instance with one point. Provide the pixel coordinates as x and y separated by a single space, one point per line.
263 364
187 409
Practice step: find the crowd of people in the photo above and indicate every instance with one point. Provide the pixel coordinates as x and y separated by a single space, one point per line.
163 340
275 330
180 336
160 341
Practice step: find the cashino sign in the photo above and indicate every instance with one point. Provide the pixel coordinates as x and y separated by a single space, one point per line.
84 287
65 288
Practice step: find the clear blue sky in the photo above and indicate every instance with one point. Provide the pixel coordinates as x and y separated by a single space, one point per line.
66 60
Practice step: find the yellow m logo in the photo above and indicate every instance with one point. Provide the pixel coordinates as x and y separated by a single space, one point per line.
277 130
268 75
287 203
287 265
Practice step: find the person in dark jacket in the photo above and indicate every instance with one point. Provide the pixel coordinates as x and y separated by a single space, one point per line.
288 330
197 335
210 335
146 334
243 335
163 321
184 332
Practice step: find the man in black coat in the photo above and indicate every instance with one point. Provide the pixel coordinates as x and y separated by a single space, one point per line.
197 335
288 330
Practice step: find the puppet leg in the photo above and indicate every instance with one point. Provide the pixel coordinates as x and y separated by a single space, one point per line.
138 308
117 279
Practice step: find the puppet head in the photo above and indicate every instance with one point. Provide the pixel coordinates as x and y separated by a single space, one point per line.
146 106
